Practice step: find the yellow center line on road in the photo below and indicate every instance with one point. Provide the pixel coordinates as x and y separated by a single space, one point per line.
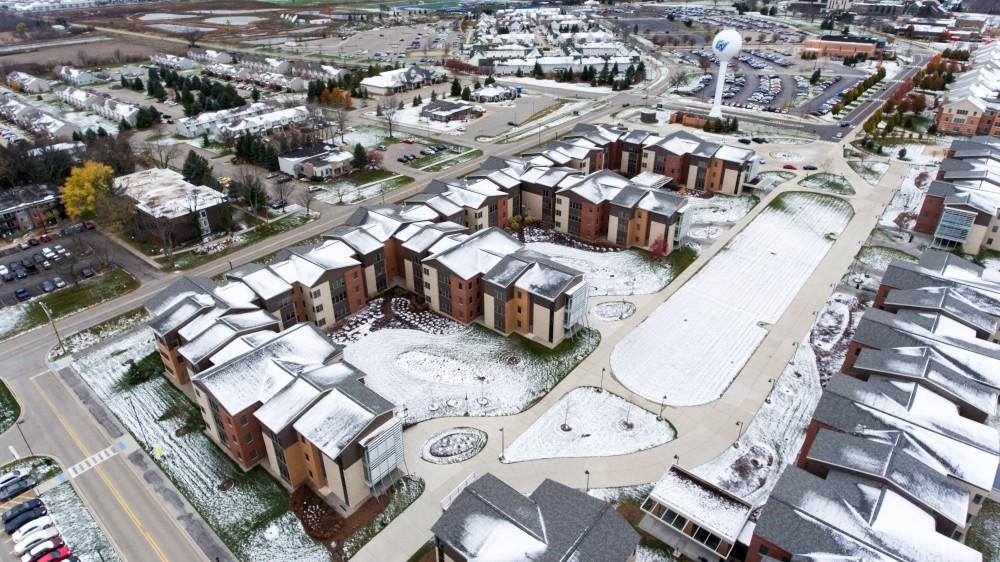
100 472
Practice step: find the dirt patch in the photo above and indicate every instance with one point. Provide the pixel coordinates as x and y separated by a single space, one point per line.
538 234
108 52
749 472
324 524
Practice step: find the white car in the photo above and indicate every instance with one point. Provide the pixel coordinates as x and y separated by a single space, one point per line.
48 253
10 477
32 526
4 270
32 540
38 549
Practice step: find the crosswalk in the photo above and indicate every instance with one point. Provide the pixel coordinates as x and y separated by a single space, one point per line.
92 461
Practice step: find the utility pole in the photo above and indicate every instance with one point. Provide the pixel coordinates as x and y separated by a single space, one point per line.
45 309
26 444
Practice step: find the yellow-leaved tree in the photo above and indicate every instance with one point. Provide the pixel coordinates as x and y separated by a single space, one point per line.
85 188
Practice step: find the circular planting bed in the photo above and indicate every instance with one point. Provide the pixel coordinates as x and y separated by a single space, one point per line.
613 311
454 445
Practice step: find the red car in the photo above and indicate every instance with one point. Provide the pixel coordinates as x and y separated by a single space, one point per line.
56 555
46 238
89 225
408 141
789 167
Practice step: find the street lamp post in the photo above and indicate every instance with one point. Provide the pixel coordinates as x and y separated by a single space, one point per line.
587 472
45 309
603 370
739 425
677 459
662 405
503 444
26 444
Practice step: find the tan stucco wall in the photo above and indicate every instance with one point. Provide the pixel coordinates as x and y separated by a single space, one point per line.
562 213
370 289
488 310
656 230
531 204
408 275
975 240
430 276
730 182
540 322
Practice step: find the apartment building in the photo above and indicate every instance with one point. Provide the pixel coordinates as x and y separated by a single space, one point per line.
169 208
208 56
75 76
972 103
476 203
101 104
27 207
28 117
961 208
24 82
401 80
486 519
287 402
266 123
211 123
174 62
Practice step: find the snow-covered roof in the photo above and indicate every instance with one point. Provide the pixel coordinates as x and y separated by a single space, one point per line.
849 517
333 422
224 329
307 265
468 256
261 280
259 374
490 521
702 502
163 193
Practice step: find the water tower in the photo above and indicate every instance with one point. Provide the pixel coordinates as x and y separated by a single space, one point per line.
726 45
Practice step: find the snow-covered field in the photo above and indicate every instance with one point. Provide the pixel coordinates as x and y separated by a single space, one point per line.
552 84
410 116
919 154
453 445
612 311
472 370
245 516
748 284
76 526
611 273
828 182
564 113
718 209
910 194
597 427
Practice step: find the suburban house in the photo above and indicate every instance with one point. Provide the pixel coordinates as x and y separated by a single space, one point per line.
961 208
400 80
75 76
211 123
486 519
172 61
45 125
494 93
25 208
319 161
171 209
265 123
24 82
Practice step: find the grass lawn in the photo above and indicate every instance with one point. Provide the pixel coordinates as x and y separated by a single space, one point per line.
73 298
241 240
97 333
879 258
984 534
988 258
871 172
828 182
444 160
9 408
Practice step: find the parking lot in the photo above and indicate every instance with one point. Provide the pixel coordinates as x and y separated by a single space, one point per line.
85 250
389 44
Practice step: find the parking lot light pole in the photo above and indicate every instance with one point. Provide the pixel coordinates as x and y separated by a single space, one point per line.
26 444
502 444
45 309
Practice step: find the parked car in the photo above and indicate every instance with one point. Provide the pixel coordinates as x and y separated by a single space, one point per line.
408 141
381 148
20 273
284 179
47 286
279 204
20 508
745 140
23 519
4 271
46 238
314 188
58 282
271 175
49 253
402 159
34 539
46 264
21 294
42 549
789 167
809 167
32 526
86 273
61 553
9 478
60 250
89 225
33 242
7 275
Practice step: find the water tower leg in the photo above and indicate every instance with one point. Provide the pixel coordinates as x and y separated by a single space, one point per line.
720 83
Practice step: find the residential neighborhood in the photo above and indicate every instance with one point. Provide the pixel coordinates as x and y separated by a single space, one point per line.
473 281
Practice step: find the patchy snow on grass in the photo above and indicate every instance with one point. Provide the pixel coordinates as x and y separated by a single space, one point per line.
878 257
909 196
611 273
597 424
12 317
918 154
399 315
453 445
473 370
94 335
718 209
749 283
366 135
773 437
76 525
828 182
612 311
871 172
569 86
252 517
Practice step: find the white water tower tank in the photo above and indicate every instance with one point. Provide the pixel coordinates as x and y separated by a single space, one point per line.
726 45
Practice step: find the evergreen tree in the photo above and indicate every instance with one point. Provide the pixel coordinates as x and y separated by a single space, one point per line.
537 71
360 157
466 94
434 95
456 88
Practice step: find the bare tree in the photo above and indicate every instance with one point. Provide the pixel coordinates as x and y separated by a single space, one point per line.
677 78
306 199
160 154
341 118
163 229
192 36
387 111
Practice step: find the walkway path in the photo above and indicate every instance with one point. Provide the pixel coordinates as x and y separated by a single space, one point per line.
703 431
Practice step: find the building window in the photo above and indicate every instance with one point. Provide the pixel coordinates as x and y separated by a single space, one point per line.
763 550
248 438
978 499
321 322
253 454
316 294
318 308
244 421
